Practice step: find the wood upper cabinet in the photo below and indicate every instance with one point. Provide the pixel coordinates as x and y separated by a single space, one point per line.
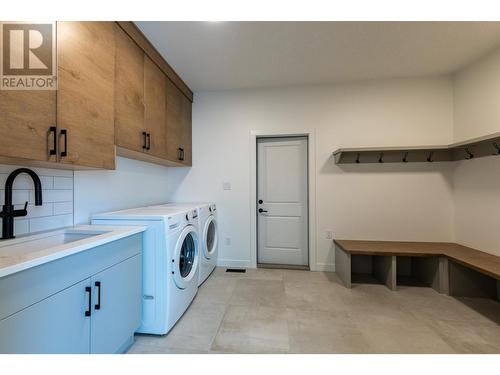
155 109
178 125
114 89
186 121
25 121
85 99
129 93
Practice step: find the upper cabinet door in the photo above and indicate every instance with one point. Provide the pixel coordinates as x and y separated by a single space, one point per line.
174 122
186 140
85 99
155 108
25 121
129 93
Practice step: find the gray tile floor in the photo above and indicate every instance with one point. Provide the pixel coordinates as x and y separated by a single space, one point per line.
285 311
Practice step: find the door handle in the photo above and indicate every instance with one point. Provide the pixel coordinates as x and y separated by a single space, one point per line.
261 210
181 153
148 137
64 134
88 290
53 130
98 286
144 144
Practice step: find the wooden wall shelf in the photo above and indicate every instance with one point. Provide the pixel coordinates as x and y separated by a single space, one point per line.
471 149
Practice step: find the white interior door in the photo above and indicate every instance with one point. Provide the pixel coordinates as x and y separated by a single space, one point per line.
282 196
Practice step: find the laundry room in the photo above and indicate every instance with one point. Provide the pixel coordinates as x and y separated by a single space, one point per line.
234 183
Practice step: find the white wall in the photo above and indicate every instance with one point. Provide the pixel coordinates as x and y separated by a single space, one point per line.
132 184
477 98
57 196
390 202
477 182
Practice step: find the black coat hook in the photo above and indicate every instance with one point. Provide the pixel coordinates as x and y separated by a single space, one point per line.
381 157
405 157
470 155
497 148
357 158
429 158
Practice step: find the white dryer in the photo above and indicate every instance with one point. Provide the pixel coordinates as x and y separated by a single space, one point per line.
208 235
171 250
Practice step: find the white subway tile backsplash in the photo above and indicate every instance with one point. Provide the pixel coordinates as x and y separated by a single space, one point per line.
47 209
61 208
4 168
57 195
62 183
50 222
51 196
21 226
18 196
23 182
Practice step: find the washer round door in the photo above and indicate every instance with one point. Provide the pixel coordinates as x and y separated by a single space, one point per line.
185 257
210 237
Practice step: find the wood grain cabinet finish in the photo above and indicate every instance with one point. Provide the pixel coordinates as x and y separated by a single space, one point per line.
111 92
129 93
73 126
186 121
85 99
25 120
155 109
178 125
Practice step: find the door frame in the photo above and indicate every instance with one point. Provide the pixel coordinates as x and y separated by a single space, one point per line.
311 180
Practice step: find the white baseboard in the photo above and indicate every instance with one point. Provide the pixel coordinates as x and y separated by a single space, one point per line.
233 263
325 267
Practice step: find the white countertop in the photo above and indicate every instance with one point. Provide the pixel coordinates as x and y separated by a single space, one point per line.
30 251
142 213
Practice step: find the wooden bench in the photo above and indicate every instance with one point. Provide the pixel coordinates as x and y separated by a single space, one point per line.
449 268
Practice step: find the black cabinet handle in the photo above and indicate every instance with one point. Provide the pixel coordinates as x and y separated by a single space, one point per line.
144 140
261 210
181 153
148 136
64 133
98 286
88 290
53 130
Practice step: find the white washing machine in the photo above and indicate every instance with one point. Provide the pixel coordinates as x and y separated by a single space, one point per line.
208 235
171 250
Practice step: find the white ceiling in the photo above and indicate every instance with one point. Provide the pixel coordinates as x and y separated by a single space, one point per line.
234 55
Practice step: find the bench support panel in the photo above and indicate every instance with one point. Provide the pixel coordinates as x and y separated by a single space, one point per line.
465 282
384 269
343 266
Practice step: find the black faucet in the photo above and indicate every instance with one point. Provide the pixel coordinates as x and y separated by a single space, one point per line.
8 214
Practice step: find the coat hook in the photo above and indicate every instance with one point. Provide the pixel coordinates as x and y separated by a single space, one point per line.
381 157
497 148
470 155
405 157
429 158
357 158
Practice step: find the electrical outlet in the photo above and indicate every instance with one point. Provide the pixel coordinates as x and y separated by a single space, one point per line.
329 235
227 241
226 186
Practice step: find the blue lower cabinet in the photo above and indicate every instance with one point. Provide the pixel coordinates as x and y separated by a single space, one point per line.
55 325
53 309
116 306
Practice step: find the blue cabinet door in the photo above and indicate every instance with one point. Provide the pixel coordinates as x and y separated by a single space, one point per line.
117 315
57 324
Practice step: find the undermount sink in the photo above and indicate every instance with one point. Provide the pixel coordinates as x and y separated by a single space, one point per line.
40 242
